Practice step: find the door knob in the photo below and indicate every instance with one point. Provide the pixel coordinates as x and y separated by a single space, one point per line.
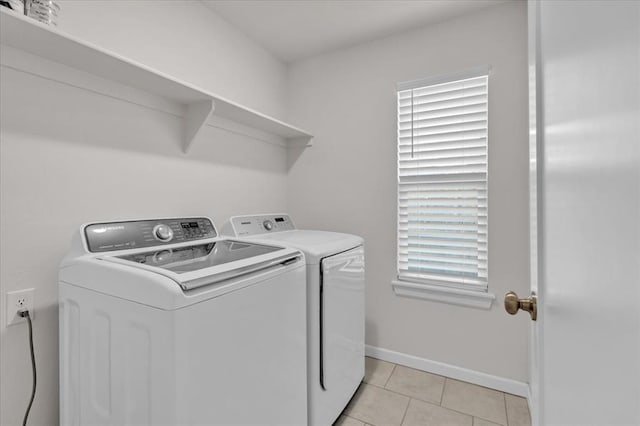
512 304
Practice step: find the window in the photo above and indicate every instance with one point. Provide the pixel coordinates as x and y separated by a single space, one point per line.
442 181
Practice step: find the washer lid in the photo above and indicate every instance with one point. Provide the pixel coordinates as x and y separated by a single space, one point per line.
193 258
197 265
314 244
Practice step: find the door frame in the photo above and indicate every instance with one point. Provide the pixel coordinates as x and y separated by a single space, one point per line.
535 218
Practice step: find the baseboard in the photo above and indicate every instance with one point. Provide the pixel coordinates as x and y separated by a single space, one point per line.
533 413
482 379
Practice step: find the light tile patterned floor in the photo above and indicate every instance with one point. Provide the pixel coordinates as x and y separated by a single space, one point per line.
393 395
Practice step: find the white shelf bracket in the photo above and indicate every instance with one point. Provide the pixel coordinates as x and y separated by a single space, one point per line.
195 119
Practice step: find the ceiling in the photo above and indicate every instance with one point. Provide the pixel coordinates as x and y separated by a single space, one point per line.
298 29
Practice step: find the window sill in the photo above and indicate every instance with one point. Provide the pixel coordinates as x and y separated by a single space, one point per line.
453 296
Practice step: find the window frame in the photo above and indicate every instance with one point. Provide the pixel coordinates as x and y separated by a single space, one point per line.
436 286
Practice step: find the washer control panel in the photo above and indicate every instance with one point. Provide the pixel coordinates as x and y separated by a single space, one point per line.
261 224
163 232
146 233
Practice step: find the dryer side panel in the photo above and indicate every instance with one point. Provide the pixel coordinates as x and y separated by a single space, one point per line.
341 343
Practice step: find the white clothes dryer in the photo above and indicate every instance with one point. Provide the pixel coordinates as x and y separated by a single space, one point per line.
164 323
335 302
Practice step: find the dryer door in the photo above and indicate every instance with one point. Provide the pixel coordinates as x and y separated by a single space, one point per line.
342 324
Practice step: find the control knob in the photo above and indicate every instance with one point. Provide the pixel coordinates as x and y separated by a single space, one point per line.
268 225
163 232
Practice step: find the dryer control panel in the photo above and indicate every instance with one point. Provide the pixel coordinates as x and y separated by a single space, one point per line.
244 226
146 233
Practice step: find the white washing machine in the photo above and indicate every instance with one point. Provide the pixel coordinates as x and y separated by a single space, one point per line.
164 323
335 301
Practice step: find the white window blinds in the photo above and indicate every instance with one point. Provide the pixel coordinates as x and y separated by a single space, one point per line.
442 180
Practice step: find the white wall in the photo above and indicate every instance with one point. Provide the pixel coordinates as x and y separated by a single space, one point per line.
67 154
186 40
70 156
347 181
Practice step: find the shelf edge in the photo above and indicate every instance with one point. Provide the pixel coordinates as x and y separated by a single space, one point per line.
14 26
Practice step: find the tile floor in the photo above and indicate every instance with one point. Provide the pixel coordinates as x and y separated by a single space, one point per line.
393 395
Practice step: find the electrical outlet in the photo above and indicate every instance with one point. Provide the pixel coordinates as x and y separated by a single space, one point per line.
18 300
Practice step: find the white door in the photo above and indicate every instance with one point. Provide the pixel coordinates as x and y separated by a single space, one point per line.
585 354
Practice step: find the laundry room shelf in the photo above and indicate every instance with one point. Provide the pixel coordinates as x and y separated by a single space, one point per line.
28 35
